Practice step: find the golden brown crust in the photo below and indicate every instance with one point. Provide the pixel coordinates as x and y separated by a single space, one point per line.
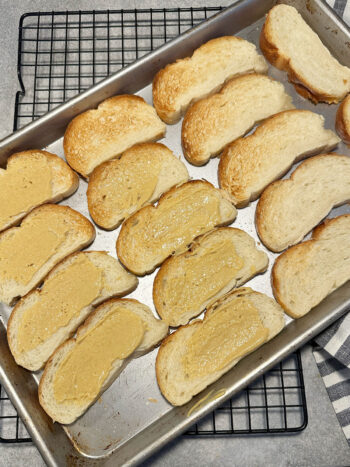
341 125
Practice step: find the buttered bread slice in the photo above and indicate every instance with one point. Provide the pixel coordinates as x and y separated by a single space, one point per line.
119 188
212 123
342 121
101 134
32 178
82 368
305 274
192 78
289 209
153 234
249 164
46 317
28 252
198 354
215 263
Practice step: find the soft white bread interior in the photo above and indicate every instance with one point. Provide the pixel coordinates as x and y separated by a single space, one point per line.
32 178
179 84
101 134
249 164
305 274
342 120
119 188
46 317
46 235
289 209
67 411
179 381
289 43
152 234
212 123
216 262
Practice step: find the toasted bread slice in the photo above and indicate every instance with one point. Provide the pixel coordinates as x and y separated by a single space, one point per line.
116 327
101 134
289 44
305 274
46 317
179 84
27 253
342 120
289 209
32 178
249 164
119 188
212 123
183 370
152 234
215 263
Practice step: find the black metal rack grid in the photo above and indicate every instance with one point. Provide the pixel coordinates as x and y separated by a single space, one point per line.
60 54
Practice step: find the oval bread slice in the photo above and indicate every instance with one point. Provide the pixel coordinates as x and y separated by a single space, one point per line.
101 134
342 120
67 412
289 209
192 78
289 43
114 281
119 188
152 234
46 235
212 123
177 386
32 178
215 263
249 164
305 274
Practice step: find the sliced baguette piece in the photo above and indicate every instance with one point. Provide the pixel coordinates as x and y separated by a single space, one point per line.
215 263
68 411
289 44
305 274
46 235
152 234
93 275
32 178
179 386
119 188
212 123
179 84
342 120
249 164
289 209
101 134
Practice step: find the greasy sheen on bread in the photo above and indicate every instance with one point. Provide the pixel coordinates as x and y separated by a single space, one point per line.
189 79
152 234
212 123
101 134
216 262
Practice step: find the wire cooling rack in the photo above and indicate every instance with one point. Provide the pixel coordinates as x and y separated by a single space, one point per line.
60 54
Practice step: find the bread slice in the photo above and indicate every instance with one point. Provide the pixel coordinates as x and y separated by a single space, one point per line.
306 273
46 235
249 164
289 43
179 84
67 412
215 263
289 209
93 275
178 385
101 134
119 188
212 123
32 178
342 120
152 234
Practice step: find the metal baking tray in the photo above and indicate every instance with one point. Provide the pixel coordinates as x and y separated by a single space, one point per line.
132 419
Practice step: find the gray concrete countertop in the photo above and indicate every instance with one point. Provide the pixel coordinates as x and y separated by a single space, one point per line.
322 443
